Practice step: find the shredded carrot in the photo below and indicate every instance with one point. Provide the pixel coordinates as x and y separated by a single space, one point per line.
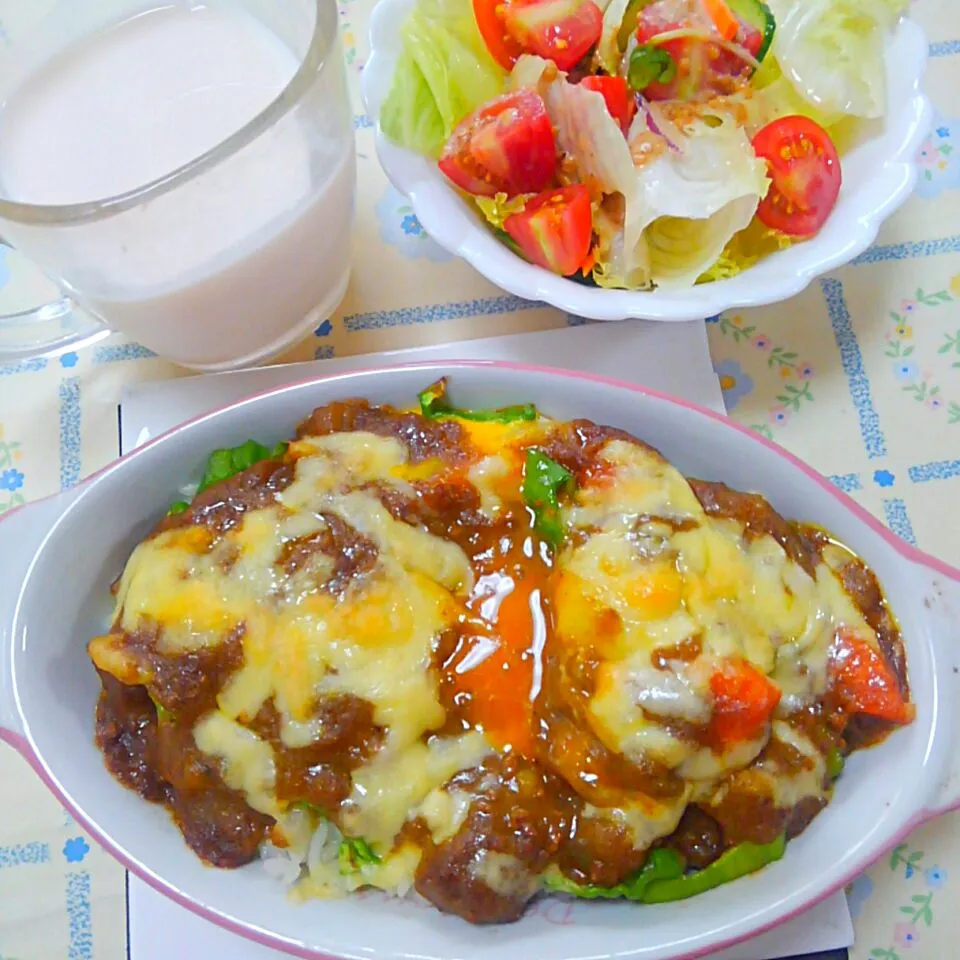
724 19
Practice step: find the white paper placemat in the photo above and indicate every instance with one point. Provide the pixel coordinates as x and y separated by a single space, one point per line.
671 357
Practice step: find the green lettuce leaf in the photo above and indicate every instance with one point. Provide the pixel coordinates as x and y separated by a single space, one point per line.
409 115
662 864
444 73
497 209
228 462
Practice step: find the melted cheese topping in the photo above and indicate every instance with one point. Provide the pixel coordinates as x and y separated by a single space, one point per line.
645 820
374 641
655 570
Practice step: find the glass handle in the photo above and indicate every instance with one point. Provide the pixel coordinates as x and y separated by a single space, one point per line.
47 329
53 311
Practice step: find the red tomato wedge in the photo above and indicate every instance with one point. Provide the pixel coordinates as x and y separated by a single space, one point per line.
743 702
621 103
503 48
863 682
805 169
507 146
563 31
555 229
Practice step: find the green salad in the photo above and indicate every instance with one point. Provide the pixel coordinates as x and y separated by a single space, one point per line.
641 144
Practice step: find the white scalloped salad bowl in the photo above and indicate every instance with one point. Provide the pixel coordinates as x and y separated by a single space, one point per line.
879 174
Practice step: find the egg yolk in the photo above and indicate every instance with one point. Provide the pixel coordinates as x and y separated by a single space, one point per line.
497 671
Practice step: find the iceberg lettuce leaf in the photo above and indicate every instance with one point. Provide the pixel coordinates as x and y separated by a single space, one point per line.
832 51
745 249
443 74
410 116
713 163
682 249
695 197
613 268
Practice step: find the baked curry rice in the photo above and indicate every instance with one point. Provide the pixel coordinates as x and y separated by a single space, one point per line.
484 656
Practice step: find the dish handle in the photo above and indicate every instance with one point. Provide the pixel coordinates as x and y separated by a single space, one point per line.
22 532
942 601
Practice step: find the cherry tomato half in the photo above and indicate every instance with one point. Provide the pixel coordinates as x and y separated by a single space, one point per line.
555 229
507 146
619 98
563 31
503 48
805 169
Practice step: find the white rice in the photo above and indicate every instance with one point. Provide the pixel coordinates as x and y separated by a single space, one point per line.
310 863
188 491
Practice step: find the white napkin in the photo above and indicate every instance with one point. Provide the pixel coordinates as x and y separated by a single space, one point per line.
672 357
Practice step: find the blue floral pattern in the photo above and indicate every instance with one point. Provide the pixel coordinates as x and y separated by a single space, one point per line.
939 160
11 480
734 383
400 228
75 850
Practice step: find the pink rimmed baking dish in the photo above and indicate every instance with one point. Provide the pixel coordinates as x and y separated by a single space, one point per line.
58 557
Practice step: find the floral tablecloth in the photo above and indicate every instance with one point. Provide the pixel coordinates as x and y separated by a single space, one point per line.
860 375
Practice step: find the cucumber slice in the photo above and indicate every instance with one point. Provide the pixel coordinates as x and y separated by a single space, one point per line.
629 23
759 16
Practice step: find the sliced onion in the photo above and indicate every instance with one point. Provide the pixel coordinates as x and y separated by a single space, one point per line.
688 33
643 106
324 846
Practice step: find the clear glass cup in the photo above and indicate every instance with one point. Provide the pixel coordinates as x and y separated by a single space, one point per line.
221 263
